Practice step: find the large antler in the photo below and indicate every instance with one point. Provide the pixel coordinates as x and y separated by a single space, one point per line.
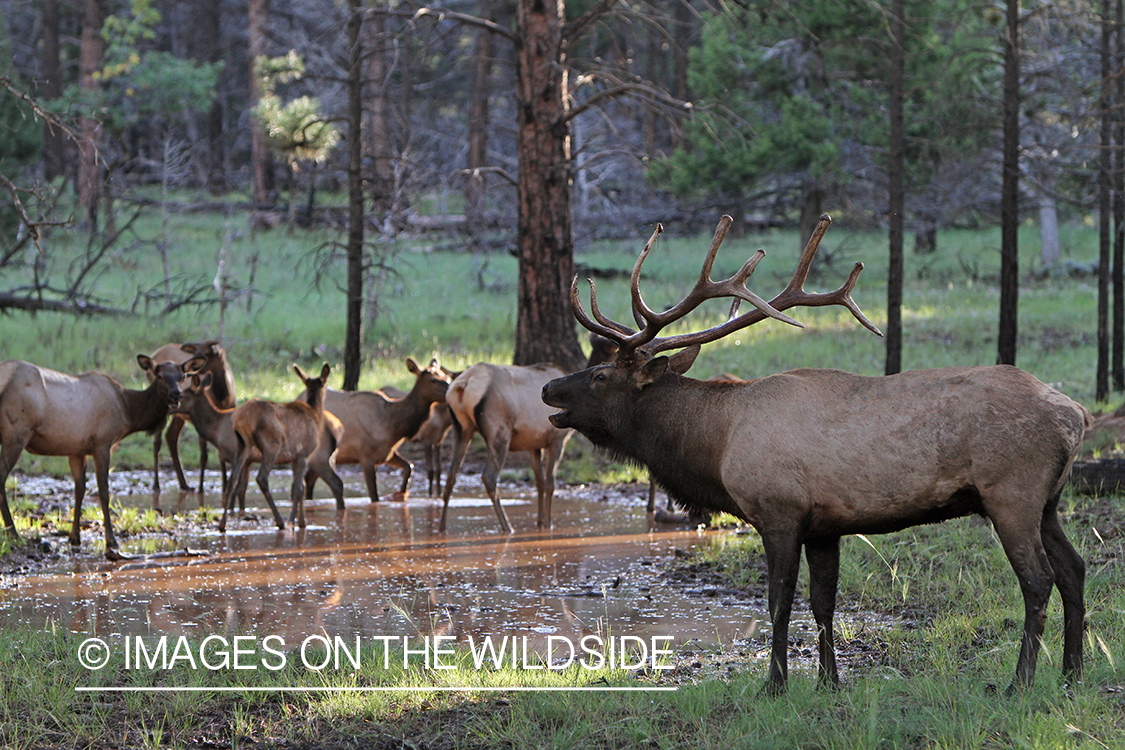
651 322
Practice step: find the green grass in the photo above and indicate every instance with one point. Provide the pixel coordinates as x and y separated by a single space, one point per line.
931 677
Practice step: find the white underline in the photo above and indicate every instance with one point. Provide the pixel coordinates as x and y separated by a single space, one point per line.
388 689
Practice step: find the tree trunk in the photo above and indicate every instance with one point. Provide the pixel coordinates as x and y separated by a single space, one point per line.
1101 386
1117 361
260 154
545 328
353 335
811 209
54 158
378 131
684 27
1009 197
1048 231
478 131
212 13
89 180
896 186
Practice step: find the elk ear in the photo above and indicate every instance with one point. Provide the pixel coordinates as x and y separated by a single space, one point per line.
145 362
201 381
413 366
681 361
324 371
195 364
300 373
651 371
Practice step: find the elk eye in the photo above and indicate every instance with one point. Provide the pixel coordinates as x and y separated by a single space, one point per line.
599 377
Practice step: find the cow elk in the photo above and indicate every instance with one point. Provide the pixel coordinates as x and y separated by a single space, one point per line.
811 455
376 425
502 403
217 426
281 433
49 413
214 361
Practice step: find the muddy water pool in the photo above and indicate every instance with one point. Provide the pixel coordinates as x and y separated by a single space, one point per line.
382 569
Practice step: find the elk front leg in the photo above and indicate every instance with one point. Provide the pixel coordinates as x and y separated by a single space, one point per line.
236 486
824 571
783 560
10 452
203 461
157 437
172 437
78 473
497 455
321 468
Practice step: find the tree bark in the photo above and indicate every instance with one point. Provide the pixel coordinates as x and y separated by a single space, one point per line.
545 327
89 180
378 132
260 155
1048 231
1117 360
353 335
897 188
1009 198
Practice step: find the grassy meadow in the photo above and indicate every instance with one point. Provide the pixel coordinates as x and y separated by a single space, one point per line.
932 677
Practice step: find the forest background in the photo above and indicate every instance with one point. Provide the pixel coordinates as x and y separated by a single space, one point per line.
533 128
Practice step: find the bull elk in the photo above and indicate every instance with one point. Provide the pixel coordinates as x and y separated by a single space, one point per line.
810 455
376 425
217 427
214 361
49 413
502 403
281 433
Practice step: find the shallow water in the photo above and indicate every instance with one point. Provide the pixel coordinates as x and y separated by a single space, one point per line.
382 569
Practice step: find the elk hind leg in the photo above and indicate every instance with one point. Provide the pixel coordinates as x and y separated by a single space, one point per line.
463 436
172 437
823 557
398 461
498 442
78 472
13 446
297 493
101 472
1022 541
264 469
1070 578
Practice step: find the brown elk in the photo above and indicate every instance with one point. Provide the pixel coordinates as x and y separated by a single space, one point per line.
216 425
431 434
49 413
214 361
376 426
281 433
502 403
811 455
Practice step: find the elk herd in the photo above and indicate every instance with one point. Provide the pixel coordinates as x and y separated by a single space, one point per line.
805 456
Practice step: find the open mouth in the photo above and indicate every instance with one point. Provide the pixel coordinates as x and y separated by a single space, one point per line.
559 418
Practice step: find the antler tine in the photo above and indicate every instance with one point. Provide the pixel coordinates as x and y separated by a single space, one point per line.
597 313
612 331
641 311
793 295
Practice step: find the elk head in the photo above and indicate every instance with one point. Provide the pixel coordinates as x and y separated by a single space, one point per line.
596 400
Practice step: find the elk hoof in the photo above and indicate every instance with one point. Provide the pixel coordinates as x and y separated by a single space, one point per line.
115 555
398 497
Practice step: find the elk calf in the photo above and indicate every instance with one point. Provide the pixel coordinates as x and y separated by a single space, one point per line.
281 433
211 359
49 413
811 455
376 426
217 426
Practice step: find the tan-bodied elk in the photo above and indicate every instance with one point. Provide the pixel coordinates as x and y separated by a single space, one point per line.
213 359
280 433
50 413
810 455
502 403
216 425
376 425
